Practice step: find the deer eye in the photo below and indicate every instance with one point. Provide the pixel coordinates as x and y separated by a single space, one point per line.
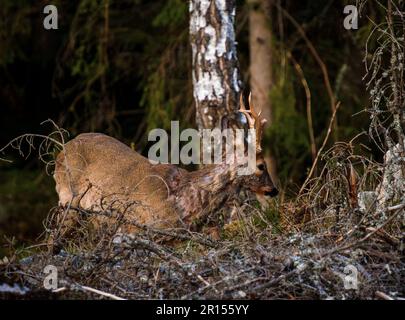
261 167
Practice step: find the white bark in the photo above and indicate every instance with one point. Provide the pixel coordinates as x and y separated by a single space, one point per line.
392 188
215 73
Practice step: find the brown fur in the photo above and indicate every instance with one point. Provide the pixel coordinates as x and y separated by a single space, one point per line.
96 171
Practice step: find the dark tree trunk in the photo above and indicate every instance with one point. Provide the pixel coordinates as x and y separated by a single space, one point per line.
261 78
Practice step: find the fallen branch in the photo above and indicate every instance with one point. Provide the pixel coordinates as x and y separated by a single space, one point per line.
384 296
89 289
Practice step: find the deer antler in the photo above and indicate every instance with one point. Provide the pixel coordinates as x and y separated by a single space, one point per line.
253 119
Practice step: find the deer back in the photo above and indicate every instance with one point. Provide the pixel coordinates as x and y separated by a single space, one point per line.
95 171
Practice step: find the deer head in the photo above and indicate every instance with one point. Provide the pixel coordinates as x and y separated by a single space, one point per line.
260 182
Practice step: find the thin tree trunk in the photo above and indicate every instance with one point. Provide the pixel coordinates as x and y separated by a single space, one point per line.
261 80
215 67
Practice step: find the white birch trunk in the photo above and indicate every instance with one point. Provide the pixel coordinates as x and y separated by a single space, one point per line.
216 84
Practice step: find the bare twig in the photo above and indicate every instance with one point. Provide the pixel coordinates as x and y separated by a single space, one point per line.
320 150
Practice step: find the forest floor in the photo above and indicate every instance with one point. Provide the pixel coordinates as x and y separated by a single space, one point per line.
252 261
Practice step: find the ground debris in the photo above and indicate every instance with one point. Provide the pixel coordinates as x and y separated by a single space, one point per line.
295 266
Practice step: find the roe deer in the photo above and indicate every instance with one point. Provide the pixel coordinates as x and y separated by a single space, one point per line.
95 171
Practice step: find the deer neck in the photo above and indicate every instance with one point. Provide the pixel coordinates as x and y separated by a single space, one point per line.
205 191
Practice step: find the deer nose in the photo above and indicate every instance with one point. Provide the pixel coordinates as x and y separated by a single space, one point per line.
272 193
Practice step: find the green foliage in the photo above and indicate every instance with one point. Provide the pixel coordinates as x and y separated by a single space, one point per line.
25 198
288 135
173 13
160 110
163 95
15 28
124 44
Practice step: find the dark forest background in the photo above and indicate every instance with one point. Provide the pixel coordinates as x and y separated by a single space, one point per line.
124 67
